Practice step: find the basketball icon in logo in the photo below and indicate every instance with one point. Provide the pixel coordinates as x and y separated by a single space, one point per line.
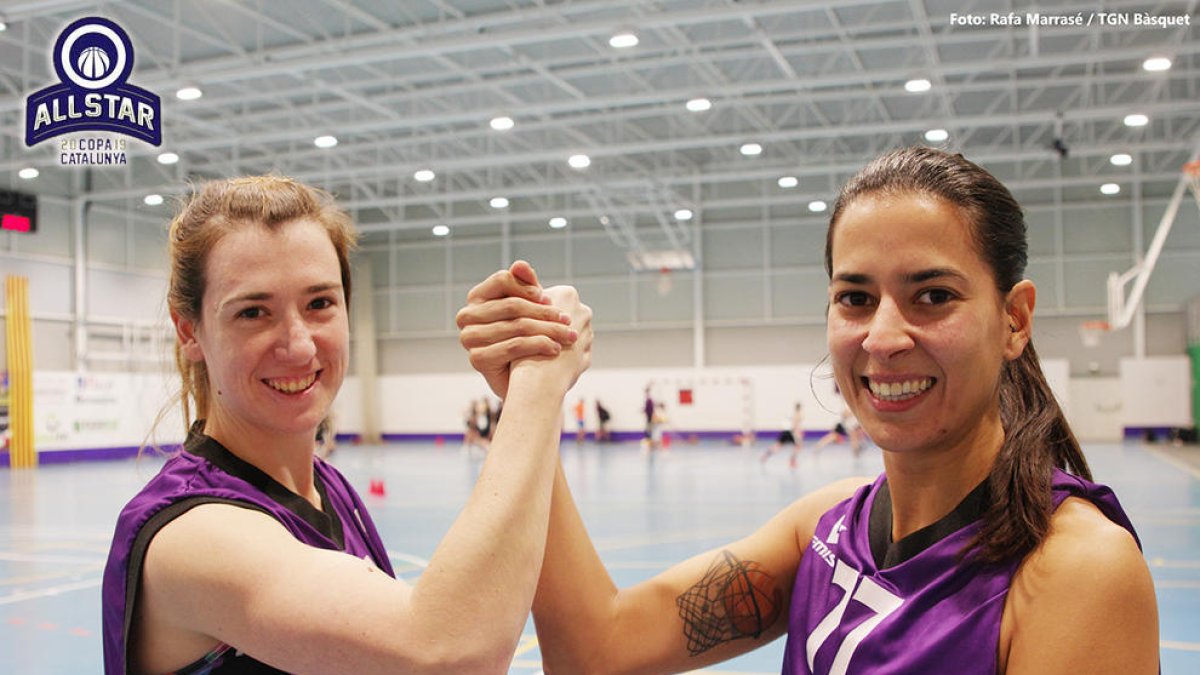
93 63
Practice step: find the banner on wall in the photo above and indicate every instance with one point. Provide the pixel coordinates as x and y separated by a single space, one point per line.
100 410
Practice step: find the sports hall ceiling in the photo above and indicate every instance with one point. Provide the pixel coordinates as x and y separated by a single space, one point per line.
407 85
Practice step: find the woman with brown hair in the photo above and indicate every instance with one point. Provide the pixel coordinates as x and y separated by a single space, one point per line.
245 553
984 547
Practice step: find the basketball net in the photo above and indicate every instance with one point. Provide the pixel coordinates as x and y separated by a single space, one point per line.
664 283
1090 332
1192 171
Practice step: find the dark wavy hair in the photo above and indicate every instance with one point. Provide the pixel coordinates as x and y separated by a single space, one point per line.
1037 437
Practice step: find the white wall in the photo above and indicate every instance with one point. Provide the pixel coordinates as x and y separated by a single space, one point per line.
102 410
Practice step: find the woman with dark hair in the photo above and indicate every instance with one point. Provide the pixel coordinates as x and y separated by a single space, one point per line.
246 554
984 547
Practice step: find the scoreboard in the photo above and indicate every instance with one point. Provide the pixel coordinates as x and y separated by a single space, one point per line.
18 211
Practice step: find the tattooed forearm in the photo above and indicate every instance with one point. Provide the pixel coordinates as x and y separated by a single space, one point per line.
734 599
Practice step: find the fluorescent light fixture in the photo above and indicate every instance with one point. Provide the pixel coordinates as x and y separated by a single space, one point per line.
28 173
153 200
188 93
683 214
325 141
698 104
1136 120
1110 189
817 206
1157 64
168 158
1121 159
499 203
788 182
440 230
423 175
936 135
558 222
917 86
623 39
750 149
502 123
579 161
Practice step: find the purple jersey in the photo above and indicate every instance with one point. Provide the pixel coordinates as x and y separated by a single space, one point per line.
925 614
207 473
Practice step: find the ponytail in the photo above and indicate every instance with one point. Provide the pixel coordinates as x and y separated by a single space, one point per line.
1037 439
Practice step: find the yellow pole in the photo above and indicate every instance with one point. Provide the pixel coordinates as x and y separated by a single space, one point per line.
20 373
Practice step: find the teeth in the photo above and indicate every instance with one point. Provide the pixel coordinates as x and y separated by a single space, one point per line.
291 385
899 391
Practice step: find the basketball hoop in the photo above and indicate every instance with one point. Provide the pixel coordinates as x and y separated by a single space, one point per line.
664 283
1192 171
1090 332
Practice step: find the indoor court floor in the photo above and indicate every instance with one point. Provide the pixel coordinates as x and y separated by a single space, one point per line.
643 511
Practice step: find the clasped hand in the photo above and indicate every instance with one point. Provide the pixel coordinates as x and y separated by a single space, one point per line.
510 322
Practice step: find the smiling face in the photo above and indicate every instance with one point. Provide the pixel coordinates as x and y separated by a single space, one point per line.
917 330
273 331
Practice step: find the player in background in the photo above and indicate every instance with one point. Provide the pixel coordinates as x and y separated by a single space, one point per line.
792 434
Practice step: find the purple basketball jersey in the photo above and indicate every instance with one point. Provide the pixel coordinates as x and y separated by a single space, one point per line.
207 473
927 614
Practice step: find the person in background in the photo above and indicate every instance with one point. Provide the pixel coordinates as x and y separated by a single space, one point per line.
580 417
984 546
603 421
326 437
247 554
792 434
648 409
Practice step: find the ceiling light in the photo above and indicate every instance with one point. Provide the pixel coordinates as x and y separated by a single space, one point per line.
424 175
917 86
499 203
1156 64
1121 159
188 93
699 104
558 222
788 181
936 135
604 220
579 161
28 173
1136 120
623 39
750 149
168 158
502 123
683 214
3 26
325 141
1110 189
153 200
817 206
440 230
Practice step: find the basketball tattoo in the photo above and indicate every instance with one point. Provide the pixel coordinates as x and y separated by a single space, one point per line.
733 600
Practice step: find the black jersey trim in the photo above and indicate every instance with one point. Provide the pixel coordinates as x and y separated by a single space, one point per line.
879 531
325 520
141 542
